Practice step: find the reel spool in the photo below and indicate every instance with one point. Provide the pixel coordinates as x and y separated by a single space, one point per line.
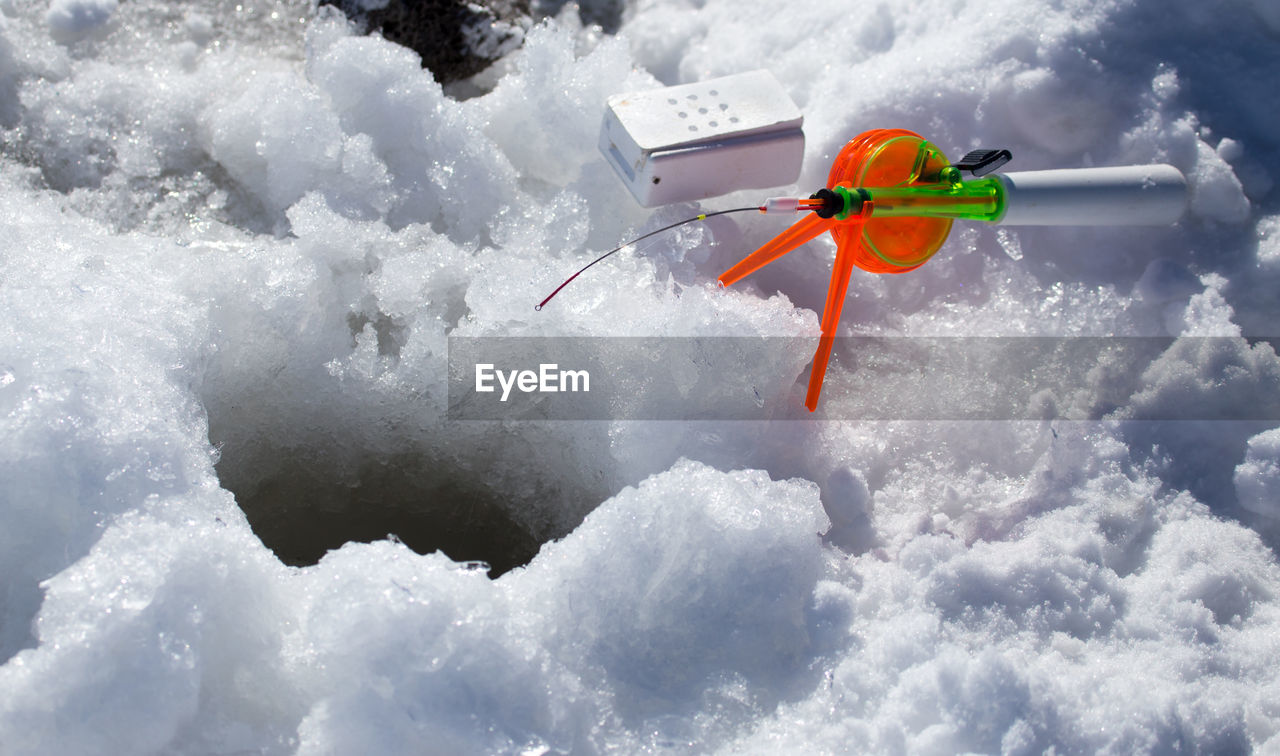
889 158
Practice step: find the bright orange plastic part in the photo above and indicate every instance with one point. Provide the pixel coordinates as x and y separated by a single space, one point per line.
888 158
876 158
806 229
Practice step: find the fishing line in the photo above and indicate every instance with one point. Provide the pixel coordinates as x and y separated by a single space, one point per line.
639 239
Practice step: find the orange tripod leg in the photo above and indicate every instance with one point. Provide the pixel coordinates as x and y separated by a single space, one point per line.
807 228
840 274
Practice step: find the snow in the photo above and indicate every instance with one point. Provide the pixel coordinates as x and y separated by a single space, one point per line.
237 239
1258 476
70 20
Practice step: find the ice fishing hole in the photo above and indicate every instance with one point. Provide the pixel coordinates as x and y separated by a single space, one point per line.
311 474
301 508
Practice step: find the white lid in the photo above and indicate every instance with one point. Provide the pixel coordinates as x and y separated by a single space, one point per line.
685 115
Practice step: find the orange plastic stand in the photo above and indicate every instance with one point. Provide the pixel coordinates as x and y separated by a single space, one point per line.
876 158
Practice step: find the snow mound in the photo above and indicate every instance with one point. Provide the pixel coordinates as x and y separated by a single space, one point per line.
235 514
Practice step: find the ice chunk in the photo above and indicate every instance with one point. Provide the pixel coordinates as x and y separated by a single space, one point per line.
1257 478
70 20
278 139
691 577
1216 192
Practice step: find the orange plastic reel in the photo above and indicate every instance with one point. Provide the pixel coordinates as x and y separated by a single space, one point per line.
876 158
890 158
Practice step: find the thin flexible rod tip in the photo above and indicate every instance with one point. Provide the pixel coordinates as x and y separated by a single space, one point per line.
638 239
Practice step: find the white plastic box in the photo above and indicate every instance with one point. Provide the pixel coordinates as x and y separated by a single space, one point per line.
700 140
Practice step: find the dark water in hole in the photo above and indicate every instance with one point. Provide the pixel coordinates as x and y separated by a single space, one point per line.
301 506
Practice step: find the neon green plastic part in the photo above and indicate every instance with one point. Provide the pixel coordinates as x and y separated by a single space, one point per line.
980 200
850 200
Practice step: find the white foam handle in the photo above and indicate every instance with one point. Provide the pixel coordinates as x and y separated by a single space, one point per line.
1130 195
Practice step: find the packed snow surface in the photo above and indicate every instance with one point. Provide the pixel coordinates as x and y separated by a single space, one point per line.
236 239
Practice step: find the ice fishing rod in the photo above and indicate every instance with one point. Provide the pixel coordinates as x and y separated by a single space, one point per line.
891 197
